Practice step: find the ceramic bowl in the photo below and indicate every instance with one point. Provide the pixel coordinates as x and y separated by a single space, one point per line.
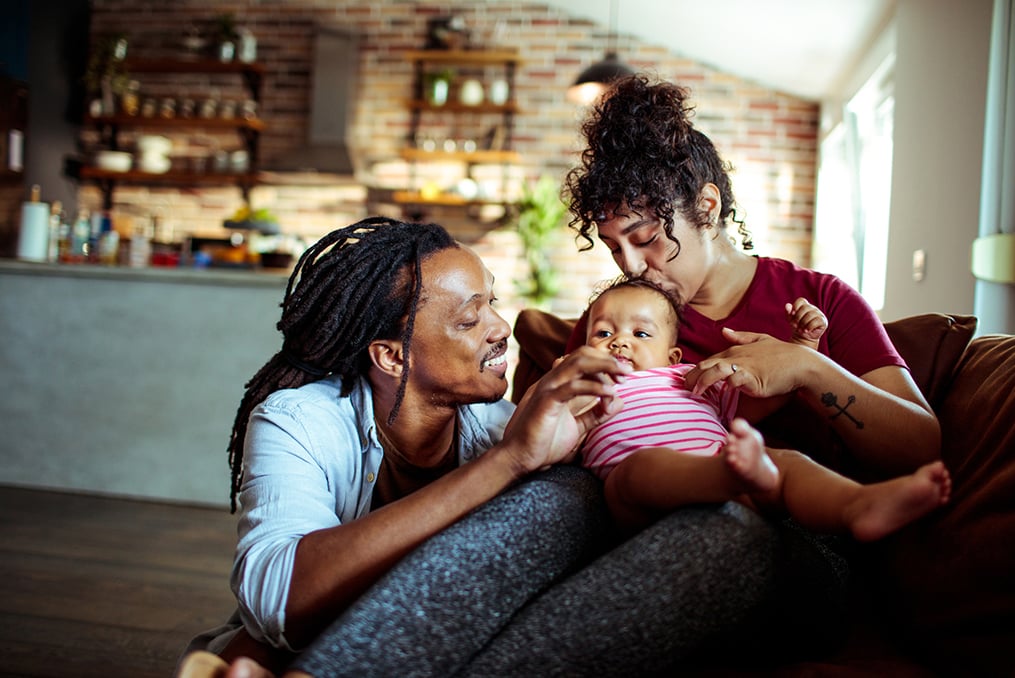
151 144
155 164
113 161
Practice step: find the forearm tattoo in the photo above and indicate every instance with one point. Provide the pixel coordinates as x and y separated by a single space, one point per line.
830 400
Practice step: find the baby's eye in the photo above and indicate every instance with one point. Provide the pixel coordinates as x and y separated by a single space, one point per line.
602 334
641 334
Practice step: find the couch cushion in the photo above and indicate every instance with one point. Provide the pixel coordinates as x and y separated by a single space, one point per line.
931 344
949 580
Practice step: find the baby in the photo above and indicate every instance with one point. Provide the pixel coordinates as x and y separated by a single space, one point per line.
669 447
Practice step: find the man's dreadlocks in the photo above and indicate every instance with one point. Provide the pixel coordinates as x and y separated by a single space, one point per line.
354 286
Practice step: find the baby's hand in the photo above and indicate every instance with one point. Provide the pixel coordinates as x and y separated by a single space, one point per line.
808 322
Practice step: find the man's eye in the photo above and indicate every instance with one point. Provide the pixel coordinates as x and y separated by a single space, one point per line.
647 242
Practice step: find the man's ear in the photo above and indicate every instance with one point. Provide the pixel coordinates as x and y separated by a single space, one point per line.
386 355
675 355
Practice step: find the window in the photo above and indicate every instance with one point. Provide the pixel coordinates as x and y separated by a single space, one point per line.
854 189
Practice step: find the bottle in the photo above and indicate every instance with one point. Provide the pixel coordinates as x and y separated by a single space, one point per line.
34 234
248 46
140 251
80 235
55 228
109 247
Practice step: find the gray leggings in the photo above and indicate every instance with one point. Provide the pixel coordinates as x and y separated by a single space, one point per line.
516 589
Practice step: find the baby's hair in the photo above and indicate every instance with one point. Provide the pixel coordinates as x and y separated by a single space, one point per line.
604 287
354 286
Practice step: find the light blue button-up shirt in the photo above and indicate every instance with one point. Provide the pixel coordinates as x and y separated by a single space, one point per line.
311 458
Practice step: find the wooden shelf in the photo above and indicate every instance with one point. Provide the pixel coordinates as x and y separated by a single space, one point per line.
121 120
191 66
168 178
473 157
463 56
475 118
457 107
450 199
111 126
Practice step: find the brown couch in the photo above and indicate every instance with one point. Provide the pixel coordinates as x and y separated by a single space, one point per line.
939 596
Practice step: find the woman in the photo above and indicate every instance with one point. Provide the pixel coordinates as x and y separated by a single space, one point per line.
379 424
654 190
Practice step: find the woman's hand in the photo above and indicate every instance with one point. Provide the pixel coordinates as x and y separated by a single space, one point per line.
557 411
880 416
759 365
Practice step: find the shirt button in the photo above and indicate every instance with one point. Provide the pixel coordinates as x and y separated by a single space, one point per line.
370 477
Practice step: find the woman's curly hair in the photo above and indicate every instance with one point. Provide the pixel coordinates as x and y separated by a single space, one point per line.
643 153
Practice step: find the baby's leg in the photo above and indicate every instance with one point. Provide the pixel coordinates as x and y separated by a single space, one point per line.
656 480
822 500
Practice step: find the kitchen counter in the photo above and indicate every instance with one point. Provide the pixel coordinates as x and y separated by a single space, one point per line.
126 381
180 275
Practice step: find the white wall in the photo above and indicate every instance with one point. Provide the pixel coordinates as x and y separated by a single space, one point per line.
940 93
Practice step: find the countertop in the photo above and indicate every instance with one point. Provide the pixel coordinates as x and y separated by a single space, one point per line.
180 275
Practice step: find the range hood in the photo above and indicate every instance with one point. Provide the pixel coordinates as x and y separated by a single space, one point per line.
333 70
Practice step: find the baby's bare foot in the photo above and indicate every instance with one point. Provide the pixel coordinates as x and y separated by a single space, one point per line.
886 507
745 455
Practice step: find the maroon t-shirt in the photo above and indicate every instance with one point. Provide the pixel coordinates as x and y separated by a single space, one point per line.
855 338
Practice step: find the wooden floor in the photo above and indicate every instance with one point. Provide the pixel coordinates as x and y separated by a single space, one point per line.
98 586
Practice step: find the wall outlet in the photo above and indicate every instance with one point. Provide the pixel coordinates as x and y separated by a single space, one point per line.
919 265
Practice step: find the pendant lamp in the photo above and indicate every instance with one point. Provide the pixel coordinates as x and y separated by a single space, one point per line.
594 80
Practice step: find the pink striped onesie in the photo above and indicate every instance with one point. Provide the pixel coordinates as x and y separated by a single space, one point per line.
659 411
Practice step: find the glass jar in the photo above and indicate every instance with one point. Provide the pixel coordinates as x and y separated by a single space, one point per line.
167 109
130 100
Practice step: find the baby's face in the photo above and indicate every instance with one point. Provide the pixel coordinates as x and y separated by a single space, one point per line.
634 325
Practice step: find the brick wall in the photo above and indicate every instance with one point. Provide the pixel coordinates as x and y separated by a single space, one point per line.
769 137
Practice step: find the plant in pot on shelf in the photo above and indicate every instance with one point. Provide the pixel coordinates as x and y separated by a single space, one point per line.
106 77
438 86
226 35
539 215
247 219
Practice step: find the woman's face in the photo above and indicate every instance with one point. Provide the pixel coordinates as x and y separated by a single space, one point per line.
640 247
459 342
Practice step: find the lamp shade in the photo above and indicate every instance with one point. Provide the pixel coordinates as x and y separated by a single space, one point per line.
593 81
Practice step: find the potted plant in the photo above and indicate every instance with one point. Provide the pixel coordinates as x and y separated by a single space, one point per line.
227 34
260 220
540 214
106 75
438 86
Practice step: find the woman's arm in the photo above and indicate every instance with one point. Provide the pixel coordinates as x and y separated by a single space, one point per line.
881 416
334 566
